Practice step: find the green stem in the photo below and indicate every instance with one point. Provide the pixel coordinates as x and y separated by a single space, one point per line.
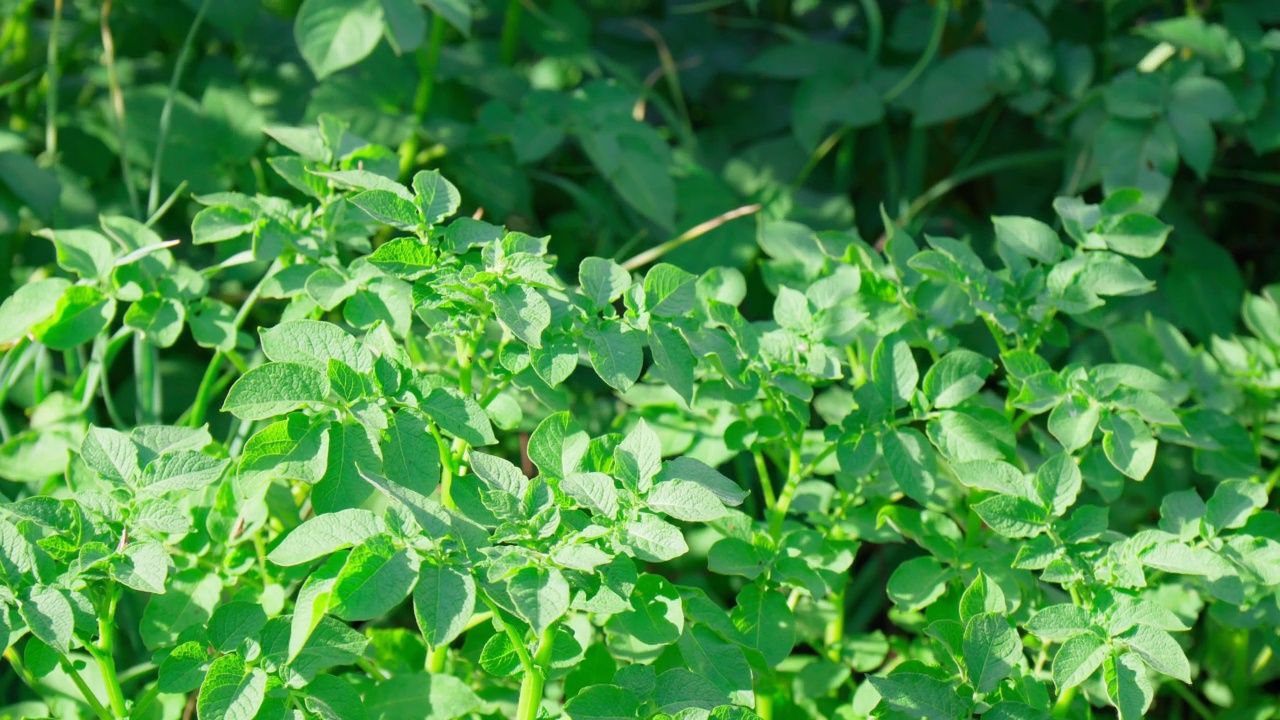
766 484
510 42
436 660
982 169
834 633
428 61
141 704
147 378
940 11
43 380
1240 668
199 408
166 112
788 493
203 394
1192 701
535 677
105 653
89 698
464 351
764 705
875 29
51 94
1063 706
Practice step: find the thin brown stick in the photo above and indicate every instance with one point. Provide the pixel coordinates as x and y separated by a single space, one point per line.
117 104
689 235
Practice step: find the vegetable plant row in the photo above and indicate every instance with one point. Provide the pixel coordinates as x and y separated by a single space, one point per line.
451 478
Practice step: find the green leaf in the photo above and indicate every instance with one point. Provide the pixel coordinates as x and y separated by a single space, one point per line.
312 603
295 448
314 343
219 223
911 463
673 359
332 698
1029 237
159 319
638 458
706 654
920 696
602 281
410 455
558 445
275 389
234 622
615 353
336 34
30 305
603 702
213 324
1158 649
443 601
766 622
1233 502
184 669
421 696
1127 685
687 469
459 415
539 595
86 253
455 12
956 377
1128 443
188 602
404 257
325 534
1077 659
524 312
1059 622
143 567
982 596
555 360
388 208
1073 421
918 582
80 315
656 616
375 579
669 291
955 87
991 650
593 490
688 501
48 614
184 470
231 691
894 371
436 197
111 453
1058 483
1012 517
653 539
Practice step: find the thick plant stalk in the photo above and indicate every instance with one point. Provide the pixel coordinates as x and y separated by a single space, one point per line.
428 61
535 677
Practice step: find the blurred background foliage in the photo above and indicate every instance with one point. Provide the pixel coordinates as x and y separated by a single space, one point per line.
616 126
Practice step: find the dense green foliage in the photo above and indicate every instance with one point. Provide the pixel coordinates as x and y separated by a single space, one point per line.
923 381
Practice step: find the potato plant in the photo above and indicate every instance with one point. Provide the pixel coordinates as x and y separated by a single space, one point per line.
449 478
